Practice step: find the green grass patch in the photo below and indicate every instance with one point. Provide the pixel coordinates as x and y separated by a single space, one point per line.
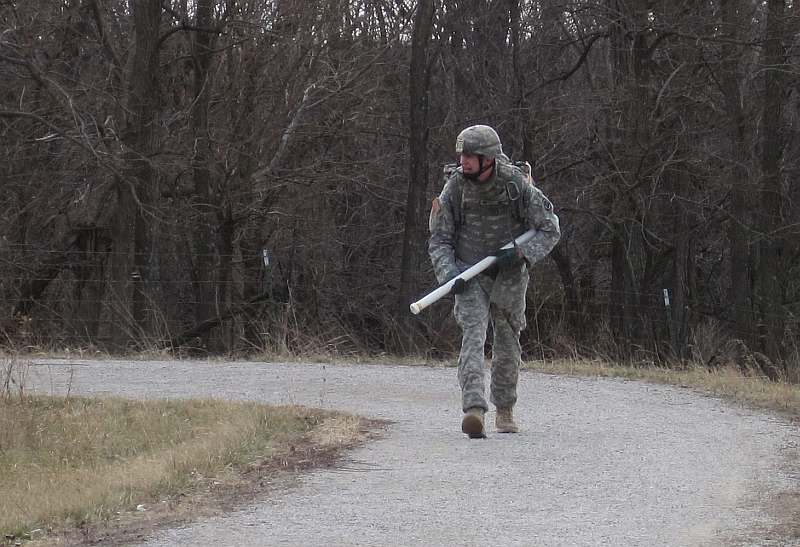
72 462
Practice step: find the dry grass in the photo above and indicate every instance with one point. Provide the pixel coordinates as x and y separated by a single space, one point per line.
728 383
74 462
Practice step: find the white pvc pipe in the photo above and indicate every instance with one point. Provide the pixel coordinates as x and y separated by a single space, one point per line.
466 275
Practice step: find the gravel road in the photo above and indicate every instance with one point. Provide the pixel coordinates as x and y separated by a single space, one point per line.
599 461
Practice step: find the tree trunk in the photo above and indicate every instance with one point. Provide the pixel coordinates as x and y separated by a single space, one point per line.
739 218
629 135
133 238
419 75
90 286
682 262
204 201
616 297
224 278
575 318
768 274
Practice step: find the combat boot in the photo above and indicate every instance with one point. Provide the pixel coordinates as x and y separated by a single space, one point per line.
504 421
472 423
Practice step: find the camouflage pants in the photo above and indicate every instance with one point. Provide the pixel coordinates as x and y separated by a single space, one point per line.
501 301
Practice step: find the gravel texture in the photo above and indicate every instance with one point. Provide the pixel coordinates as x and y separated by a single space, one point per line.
598 462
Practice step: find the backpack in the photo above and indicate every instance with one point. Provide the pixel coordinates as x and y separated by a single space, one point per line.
519 203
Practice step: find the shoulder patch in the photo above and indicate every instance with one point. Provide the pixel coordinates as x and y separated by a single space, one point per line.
437 216
546 204
436 206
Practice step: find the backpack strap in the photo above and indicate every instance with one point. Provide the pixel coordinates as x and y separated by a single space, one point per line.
458 195
518 174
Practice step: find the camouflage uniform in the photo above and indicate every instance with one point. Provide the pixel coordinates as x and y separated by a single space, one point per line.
466 231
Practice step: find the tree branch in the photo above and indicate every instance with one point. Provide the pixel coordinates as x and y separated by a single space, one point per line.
104 37
566 75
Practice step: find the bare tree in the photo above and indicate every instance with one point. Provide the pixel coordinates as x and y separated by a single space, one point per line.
771 218
133 265
155 150
418 82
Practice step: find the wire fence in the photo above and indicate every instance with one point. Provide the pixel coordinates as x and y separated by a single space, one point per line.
79 301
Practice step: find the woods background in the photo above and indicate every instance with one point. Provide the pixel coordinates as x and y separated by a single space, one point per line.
251 175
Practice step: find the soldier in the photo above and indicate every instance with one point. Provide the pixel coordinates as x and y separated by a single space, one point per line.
486 202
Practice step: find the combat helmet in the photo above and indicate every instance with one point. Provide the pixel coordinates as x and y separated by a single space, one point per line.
480 140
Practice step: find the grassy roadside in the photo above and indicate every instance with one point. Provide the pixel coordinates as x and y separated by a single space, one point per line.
78 466
727 383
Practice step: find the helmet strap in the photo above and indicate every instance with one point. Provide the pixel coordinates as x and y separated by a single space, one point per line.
481 166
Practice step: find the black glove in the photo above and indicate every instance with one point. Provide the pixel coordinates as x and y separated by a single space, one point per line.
459 286
508 258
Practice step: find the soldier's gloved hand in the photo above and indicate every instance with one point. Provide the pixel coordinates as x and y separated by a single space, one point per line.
459 286
509 258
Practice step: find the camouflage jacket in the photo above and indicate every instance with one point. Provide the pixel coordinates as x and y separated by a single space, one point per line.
470 220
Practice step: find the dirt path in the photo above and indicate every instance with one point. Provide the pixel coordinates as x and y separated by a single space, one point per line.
599 462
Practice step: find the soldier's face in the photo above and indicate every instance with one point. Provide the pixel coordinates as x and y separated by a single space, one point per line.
471 165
